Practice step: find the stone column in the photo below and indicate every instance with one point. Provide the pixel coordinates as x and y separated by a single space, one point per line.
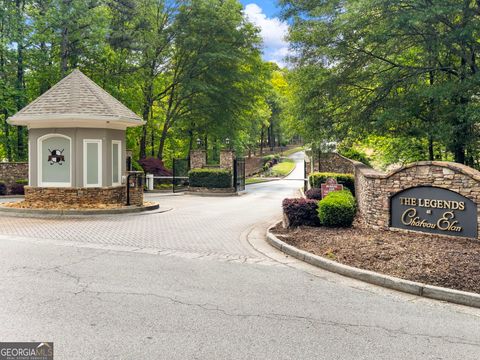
226 159
198 159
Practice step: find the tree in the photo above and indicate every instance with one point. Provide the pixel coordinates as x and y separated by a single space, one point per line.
392 68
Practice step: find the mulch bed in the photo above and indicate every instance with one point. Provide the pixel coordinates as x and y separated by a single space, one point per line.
435 260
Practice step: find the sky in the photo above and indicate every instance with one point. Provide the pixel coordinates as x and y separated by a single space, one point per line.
265 15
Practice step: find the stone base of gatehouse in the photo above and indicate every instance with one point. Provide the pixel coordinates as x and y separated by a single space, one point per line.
83 197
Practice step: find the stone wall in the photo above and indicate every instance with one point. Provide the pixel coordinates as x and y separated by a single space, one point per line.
227 158
81 197
11 172
334 162
374 189
198 159
253 165
77 196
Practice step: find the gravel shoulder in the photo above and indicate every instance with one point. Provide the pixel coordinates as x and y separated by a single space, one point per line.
435 260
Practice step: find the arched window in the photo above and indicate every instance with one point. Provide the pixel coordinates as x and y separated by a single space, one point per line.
54 161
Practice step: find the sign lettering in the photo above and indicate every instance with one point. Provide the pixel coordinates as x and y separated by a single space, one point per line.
434 210
330 186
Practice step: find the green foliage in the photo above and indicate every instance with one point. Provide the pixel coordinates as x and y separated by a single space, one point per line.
267 158
390 69
337 209
283 168
210 178
354 154
192 69
347 180
292 151
22 182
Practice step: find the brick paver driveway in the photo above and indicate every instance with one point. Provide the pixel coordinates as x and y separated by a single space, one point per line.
186 284
194 224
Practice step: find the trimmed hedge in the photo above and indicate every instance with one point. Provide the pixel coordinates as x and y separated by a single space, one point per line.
314 193
337 209
301 212
347 180
210 178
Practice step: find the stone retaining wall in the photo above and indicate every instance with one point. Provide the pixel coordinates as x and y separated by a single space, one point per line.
253 165
374 189
116 195
10 172
334 162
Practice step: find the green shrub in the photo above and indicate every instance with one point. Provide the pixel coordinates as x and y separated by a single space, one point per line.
337 209
22 182
210 178
354 154
347 180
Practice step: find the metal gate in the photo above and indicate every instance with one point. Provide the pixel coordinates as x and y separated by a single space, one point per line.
239 174
180 170
305 176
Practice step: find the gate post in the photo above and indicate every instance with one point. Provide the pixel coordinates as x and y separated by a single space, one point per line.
235 174
305 179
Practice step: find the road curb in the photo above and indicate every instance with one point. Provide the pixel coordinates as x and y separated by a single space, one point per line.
46 212
390 282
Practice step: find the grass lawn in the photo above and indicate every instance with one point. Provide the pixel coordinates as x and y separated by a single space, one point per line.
283 169
255 180
292 151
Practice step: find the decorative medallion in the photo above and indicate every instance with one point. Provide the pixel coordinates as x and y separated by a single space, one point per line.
56 157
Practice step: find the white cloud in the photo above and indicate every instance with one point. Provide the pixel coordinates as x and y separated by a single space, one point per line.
273 32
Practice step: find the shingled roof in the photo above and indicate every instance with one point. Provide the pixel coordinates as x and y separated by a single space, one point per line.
76 101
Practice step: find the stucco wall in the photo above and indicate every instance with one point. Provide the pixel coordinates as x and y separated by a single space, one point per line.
77 136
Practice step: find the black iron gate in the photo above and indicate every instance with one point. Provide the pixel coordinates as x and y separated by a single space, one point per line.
305 176
180 170
239 174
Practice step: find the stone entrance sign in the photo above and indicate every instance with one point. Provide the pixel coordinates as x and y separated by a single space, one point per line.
434 210
330 186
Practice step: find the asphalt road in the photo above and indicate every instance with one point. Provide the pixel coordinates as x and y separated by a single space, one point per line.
188 284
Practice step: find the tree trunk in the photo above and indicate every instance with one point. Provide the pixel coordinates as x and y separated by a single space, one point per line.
6 134
6 127
163 138
64 53
459 153
20 84
431 153
147 110
262 140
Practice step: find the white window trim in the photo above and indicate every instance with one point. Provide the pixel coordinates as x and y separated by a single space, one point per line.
39 162
92 141
119 162
29 164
